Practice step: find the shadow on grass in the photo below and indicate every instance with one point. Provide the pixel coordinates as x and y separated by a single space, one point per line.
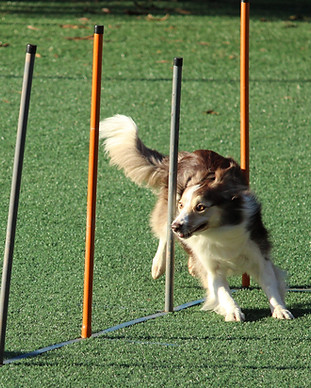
155 80
297 10
9 355
255 315
157 364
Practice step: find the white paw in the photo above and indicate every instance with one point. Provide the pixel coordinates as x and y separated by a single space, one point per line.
157 270
281 313
235 316
209 304
192 268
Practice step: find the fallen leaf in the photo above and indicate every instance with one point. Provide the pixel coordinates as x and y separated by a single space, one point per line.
296 17
170 28
182 11
114 26
155 19
38 55
290 25
73 26
33 28
84 20
106 10
163 61
4 44
89 37
211 112
203 43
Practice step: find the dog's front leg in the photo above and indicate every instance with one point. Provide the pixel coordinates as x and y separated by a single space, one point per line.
220 300
159 260
272 282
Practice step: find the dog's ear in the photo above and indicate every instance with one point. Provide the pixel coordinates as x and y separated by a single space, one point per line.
189 172
230 181
231 175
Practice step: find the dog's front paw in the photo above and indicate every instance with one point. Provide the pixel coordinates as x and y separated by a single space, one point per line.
281 313
235 316
192 267
157 270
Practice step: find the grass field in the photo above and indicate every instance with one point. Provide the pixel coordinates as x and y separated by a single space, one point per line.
189 348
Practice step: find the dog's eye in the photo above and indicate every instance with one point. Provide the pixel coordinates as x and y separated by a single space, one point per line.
180 205
200 207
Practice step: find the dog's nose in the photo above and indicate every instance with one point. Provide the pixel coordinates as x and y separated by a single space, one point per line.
175 226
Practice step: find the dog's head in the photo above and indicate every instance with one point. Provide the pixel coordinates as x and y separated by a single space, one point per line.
216 200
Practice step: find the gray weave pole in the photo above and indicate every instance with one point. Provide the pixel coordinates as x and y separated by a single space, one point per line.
15 189
172 184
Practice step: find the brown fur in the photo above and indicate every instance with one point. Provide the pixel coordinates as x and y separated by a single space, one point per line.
218 220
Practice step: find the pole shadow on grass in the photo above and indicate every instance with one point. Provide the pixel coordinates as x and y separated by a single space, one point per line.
133 79
270 10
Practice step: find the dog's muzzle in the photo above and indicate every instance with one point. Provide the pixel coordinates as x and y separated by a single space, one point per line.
183 231
180 230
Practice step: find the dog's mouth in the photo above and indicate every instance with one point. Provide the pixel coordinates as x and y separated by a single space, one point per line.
184 234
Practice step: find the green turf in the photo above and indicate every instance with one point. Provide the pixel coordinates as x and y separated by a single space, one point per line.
190 347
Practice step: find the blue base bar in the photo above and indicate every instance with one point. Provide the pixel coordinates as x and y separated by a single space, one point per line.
123 325
36 353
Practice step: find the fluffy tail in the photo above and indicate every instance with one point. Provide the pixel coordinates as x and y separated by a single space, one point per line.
141 164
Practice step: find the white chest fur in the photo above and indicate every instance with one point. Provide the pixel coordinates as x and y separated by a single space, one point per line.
223 247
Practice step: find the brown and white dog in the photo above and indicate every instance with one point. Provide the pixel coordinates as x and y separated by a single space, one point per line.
218 220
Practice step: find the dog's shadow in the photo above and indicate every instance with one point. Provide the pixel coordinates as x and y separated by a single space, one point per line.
298 310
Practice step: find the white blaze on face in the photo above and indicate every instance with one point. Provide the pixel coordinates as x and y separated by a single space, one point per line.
186 204
196 213
193 213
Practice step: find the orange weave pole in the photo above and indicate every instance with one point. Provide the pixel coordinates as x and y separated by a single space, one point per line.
244 99
92 182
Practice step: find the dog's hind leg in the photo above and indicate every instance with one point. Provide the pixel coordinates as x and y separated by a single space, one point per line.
159 260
